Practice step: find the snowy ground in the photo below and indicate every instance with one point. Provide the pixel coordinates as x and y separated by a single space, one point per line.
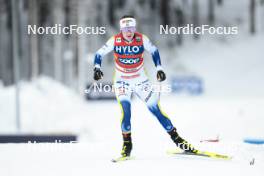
100 139
94 159
49 107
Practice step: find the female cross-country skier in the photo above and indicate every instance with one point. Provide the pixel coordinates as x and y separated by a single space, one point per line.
130 77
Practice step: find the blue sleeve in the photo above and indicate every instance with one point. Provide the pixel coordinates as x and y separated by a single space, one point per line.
106 48
97 59
156 57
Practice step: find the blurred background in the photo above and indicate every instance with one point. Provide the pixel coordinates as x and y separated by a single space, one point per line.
215 79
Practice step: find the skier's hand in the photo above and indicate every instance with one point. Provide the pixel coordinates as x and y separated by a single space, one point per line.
98 74
161 76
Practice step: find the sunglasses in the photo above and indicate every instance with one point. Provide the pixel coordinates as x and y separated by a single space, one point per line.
128 29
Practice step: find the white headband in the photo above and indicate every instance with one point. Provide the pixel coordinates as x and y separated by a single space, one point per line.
127 22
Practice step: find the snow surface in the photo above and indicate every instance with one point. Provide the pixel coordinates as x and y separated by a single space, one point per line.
94 159
231 108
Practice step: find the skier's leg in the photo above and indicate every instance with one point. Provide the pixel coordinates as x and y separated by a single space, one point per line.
123 94
163 118
125 107
151 98
167 125
147 94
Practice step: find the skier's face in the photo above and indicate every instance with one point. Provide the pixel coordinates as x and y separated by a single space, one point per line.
128 33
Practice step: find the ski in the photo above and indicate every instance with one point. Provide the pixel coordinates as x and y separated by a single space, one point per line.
122 158
199 153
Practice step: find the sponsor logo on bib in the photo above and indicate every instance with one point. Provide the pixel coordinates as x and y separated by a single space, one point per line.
129 61
118 40
127 49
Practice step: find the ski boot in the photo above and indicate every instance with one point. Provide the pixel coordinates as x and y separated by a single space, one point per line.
127 145
181 143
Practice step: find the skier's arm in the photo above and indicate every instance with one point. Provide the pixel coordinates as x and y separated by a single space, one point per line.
153 50
161 76
108 47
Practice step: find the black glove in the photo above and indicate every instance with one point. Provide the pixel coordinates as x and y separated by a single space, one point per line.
161 76
98 74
